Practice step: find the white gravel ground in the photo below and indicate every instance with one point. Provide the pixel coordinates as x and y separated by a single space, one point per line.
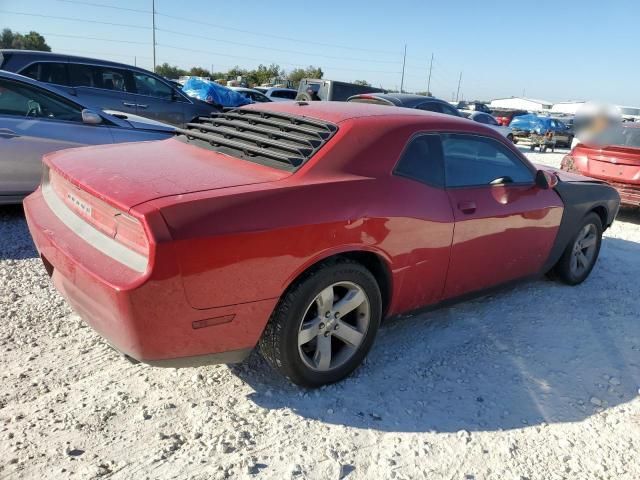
537 382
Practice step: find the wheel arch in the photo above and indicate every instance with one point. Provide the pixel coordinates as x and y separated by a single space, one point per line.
603 213
375 261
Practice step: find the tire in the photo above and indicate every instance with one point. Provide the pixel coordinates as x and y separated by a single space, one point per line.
510 138
298 316
515 140
564 269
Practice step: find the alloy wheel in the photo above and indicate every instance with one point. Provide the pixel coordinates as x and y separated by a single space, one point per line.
334 326
584 250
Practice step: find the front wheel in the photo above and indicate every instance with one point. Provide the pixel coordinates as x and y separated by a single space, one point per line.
324 326
581 254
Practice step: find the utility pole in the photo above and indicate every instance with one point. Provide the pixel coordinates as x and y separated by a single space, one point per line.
404 60
153 22
459 81
135 61
429 82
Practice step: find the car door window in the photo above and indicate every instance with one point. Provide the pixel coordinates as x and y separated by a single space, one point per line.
481 119
473 160
288 94
105 78
50 72
23 100
422 160
152 87
491 120
430 107
449 110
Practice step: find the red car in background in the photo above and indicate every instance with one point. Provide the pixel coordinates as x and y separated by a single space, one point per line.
612 156
298 227
505 116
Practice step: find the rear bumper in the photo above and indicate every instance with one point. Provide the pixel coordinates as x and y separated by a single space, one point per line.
629 194
143 315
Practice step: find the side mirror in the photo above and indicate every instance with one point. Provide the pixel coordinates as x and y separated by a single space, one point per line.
90 117
546 180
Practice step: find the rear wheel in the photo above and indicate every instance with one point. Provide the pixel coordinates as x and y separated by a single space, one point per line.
324 326
581 254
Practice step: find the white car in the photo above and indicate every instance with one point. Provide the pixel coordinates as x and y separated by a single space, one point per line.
278 94
252 94
490 121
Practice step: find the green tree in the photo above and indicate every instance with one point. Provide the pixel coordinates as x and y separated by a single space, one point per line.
298 74
30 41
170 71
199 72
362 82
264 74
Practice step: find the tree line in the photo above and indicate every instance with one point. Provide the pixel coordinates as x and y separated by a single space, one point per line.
257 76
30 41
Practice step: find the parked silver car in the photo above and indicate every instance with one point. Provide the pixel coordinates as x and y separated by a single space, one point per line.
36 119
109 85
491 122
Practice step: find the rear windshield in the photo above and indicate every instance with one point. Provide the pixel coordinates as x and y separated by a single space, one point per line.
273 139
618 137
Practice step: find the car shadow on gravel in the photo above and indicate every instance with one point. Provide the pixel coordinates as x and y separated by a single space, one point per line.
538 353
629 215
15 241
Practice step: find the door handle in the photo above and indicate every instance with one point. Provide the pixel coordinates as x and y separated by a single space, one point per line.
6 133
142 106
467 207
128 104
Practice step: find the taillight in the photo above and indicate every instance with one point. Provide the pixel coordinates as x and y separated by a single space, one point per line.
111 221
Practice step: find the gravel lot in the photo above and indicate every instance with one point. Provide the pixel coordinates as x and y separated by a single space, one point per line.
537 382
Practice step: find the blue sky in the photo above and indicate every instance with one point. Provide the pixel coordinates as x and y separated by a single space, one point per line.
554 50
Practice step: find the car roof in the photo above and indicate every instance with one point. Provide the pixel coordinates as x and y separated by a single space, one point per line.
336 112
407 100
73 58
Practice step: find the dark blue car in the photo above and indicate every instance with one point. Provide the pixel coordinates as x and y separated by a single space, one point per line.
540 131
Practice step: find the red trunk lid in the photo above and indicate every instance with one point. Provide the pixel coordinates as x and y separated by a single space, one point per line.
132 173
612 163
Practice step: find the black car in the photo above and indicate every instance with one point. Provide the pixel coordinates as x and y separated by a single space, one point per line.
109 85
408 100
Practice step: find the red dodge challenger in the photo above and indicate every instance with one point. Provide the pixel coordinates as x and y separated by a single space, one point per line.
298 227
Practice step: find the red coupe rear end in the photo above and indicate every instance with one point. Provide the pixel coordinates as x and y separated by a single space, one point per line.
613 156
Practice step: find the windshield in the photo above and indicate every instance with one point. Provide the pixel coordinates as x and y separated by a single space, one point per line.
618 137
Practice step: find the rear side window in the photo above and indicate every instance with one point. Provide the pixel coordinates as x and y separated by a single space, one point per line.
152 87
50 72
26 101
422 160
284 94
106 78
472 160
449 110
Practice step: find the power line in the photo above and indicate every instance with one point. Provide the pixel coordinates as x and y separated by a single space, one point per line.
94 38
279 37
222 27
274 49
271 61
113 7
71 19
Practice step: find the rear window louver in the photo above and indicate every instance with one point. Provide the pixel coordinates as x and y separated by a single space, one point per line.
276 139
